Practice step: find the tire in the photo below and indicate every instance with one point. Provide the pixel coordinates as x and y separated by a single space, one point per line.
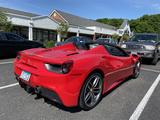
155 59
91 91
136 70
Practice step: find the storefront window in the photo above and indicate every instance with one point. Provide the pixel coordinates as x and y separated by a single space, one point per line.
52 36
45 35
42 35
20 30
24 33
35 34
39 35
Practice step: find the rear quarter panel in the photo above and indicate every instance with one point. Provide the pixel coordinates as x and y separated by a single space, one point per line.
86 63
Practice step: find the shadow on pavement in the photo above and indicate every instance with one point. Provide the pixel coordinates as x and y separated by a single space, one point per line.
10 57
148 61
123 82
59 106
76 109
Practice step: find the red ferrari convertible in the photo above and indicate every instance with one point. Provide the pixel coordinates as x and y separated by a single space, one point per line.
75 75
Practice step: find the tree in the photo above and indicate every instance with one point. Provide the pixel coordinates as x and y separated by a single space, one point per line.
49 43
115 36
144 24
141 26
125 37
63 29
5 25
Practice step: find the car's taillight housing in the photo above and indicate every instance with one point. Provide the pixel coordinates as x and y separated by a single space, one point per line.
60 68
67 66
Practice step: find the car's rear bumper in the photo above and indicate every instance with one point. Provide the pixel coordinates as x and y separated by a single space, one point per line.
64 89
42 91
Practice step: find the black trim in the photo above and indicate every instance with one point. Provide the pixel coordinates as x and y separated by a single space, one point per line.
51 95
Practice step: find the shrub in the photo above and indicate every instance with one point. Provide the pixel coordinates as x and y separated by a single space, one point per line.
115 36
125 37
49 43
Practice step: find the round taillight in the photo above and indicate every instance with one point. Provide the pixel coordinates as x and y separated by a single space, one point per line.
66 67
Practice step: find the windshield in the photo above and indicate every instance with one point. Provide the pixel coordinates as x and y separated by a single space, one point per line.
71 39
141 38
78 39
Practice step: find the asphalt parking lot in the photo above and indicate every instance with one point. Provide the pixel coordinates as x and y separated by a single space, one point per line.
134 99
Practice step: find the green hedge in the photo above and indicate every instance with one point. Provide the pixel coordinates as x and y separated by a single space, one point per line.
49 43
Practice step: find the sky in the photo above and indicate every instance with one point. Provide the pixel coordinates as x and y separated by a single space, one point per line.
92 9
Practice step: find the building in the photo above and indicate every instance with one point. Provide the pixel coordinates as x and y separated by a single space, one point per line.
83 26
125 29
36 27
31 26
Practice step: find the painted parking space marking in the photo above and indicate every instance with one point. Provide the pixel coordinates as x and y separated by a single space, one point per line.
8 86
150 70
136 114
4 63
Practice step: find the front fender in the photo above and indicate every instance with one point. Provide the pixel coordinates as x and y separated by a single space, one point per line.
135 58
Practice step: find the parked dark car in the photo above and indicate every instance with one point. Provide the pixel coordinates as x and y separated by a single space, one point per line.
75 39
11 44
106 40
145 45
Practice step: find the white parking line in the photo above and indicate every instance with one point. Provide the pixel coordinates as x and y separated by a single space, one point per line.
136 114
150 70
7 86
3 63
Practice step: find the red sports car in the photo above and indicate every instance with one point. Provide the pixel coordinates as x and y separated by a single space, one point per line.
75 75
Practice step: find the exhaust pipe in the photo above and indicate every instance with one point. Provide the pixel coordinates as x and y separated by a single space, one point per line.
37 90
29 89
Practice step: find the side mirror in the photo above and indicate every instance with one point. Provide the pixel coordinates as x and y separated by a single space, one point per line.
134 55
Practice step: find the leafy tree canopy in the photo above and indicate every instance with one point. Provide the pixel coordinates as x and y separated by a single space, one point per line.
5 25
115 36
63 29
144 24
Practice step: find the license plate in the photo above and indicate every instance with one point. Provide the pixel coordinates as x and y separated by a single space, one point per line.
25 75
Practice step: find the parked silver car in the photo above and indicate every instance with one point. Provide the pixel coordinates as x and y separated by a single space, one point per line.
144 44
